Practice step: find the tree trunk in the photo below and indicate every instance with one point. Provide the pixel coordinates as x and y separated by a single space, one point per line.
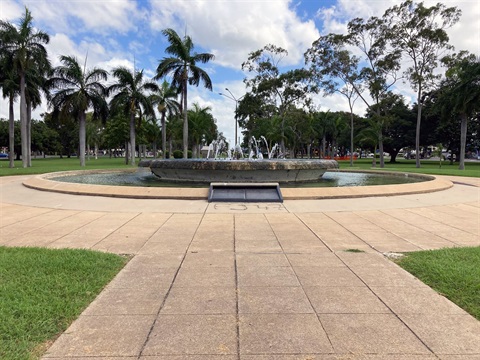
11 133
417 132
351 135
81 137
164 135
324 141
463 140
380 150
132 138
23 120
29 133
185 121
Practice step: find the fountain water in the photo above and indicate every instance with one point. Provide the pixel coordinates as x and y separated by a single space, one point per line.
230 169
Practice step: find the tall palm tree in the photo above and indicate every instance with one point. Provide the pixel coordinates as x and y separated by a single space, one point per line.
76 90
36 81
131 97
166 100
10 89
25 46
184 70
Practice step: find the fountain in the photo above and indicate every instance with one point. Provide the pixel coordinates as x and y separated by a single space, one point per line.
233 167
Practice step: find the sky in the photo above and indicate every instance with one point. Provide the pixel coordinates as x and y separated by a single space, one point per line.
128 33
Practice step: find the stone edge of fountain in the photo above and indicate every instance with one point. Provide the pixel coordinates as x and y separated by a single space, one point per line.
44 182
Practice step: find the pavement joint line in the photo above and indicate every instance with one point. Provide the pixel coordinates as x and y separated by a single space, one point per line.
142 348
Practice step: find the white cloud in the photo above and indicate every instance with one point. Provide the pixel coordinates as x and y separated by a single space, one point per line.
10 10
232 29
74 17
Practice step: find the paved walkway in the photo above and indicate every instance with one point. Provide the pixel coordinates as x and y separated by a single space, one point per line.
257 281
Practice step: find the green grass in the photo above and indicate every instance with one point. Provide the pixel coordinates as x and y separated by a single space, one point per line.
42 291
472 168
41 166
454 273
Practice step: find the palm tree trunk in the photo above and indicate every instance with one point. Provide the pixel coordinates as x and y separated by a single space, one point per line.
23 120
29 133
185 121
164 135
463 140
11 133
132 138
81 137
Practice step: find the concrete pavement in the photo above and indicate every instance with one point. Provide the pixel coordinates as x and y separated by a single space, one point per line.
257 281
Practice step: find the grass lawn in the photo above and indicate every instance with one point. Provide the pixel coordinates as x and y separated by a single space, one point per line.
42 291
454 273
40 166
472 168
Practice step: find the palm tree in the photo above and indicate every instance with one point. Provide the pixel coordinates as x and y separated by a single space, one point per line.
10 90
184 70
166 100
75 91
25 47
131 98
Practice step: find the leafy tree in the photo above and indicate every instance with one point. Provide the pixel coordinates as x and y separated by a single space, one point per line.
203 127
419 32
336 71
66 140
25 46
132 98
75 90
166 101
184 70
116 132
281 91
460 93
381 64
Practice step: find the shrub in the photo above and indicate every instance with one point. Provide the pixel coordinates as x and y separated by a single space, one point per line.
177 154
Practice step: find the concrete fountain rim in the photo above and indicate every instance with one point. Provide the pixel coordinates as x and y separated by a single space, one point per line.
44 182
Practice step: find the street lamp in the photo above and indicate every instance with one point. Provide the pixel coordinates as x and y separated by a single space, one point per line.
233 98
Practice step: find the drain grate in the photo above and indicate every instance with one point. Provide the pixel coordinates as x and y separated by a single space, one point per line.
245 192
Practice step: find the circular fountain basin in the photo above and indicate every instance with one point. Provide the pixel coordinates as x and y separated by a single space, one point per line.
276 170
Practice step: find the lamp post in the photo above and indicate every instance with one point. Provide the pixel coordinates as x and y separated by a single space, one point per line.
233 98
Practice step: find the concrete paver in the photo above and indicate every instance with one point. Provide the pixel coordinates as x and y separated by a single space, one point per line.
256 281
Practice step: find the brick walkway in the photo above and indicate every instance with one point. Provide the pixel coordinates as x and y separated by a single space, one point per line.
257 281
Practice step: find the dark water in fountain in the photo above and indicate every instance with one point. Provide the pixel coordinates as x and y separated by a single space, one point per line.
145 178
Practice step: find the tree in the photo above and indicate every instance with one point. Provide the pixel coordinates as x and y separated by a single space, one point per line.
10 89
132 98
74 91
203 127
419 32
282 92
184 70
25 47
460 93
166 100
331 58
336 71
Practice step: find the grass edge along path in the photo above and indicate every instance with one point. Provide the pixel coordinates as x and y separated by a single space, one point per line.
452 272
41 166
43 290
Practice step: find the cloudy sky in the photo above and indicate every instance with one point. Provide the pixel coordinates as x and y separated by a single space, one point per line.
128 32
